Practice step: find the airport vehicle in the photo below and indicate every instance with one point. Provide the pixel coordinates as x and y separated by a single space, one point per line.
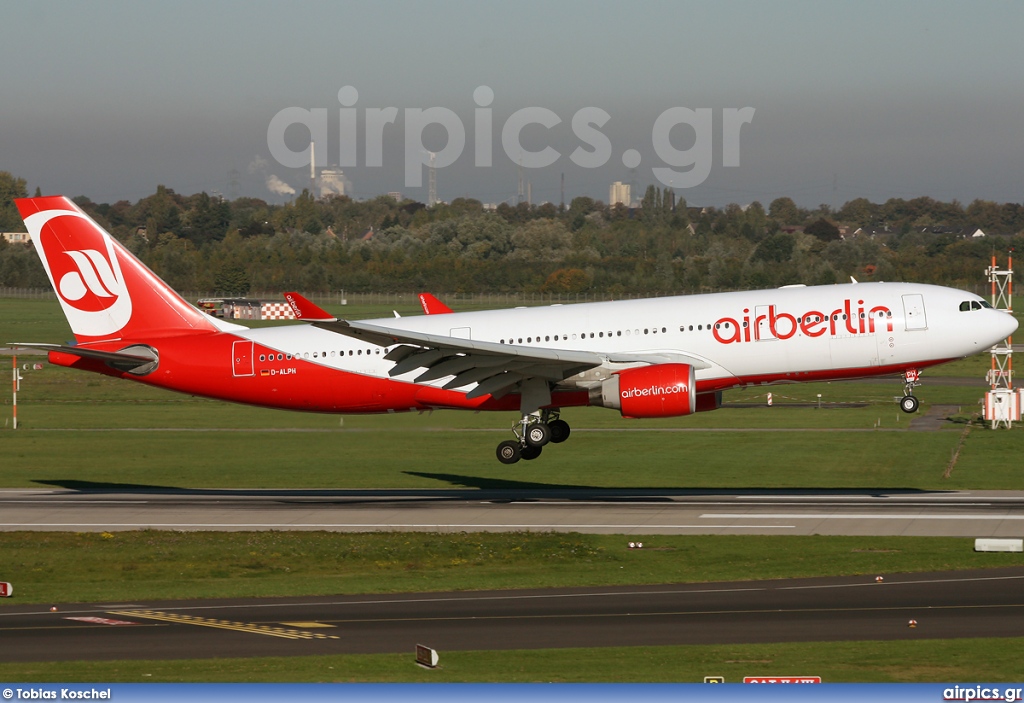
660 357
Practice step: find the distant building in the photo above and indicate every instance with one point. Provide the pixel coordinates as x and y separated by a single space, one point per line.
246 309
332 182
16 237
396 195
619 193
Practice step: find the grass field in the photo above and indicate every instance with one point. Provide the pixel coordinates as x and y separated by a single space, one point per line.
153 564
81 431
84 428
923 660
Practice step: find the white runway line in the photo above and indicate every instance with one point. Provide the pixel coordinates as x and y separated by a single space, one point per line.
852 516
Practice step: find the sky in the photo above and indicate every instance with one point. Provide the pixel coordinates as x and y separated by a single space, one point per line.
861 99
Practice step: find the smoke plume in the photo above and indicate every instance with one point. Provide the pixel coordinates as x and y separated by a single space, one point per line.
279 187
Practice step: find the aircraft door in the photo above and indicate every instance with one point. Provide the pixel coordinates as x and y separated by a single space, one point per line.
241 358
913 310
762 327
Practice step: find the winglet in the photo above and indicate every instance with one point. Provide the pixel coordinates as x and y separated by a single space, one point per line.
307 311
433 306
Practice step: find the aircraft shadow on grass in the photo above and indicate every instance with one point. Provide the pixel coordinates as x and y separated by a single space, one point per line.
465 487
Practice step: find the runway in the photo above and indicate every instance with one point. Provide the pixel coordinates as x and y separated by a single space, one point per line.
986 603
92 507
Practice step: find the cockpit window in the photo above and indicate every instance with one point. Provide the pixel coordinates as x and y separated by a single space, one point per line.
968 305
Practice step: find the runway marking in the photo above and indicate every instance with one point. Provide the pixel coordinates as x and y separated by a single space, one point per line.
855 516
308 625
101 621
681 613
290 633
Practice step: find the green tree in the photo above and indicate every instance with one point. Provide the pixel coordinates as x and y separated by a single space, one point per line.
567 280
776 248
232 278
823 230
785 211
11 188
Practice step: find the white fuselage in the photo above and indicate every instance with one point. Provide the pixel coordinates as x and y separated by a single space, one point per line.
786 334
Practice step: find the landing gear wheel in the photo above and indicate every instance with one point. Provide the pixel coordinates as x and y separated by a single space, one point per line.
537 435
559 431
509 452
529 453
909 404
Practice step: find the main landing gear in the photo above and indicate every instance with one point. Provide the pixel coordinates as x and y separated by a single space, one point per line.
909 403
533 432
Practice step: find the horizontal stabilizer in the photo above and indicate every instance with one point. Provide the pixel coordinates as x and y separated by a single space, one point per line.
135 359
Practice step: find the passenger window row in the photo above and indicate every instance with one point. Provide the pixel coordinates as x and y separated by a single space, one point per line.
321 355
584 335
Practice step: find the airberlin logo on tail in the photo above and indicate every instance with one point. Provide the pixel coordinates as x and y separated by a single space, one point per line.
83 267
93 275
768 323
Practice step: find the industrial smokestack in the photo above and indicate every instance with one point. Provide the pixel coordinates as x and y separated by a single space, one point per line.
312 169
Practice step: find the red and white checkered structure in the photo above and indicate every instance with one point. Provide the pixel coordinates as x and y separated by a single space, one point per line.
276 311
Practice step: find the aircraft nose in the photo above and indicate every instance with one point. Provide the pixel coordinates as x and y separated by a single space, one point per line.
1002 326
1010 324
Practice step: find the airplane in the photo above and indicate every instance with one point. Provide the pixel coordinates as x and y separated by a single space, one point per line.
652 358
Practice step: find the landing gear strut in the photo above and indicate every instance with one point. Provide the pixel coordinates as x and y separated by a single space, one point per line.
909 403
533 432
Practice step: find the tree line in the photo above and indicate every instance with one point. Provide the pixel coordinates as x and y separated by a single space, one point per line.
205 243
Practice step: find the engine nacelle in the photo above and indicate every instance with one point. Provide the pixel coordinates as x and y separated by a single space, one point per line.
662 390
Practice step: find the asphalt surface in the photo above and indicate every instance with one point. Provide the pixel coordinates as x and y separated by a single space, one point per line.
986 603
520 507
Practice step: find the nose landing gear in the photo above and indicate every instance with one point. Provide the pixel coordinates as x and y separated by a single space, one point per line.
909 403
533 432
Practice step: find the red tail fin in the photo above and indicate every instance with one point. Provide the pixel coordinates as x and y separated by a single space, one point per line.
106 293
433 306
307 310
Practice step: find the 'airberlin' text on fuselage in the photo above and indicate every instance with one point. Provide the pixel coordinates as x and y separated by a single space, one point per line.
768 323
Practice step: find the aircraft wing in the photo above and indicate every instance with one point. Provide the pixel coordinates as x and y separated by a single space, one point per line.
496 368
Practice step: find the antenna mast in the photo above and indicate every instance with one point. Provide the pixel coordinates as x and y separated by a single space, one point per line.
1002 405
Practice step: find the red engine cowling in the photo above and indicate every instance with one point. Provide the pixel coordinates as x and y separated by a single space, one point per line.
662 390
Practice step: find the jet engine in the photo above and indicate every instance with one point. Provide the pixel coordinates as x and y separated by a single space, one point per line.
661 390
